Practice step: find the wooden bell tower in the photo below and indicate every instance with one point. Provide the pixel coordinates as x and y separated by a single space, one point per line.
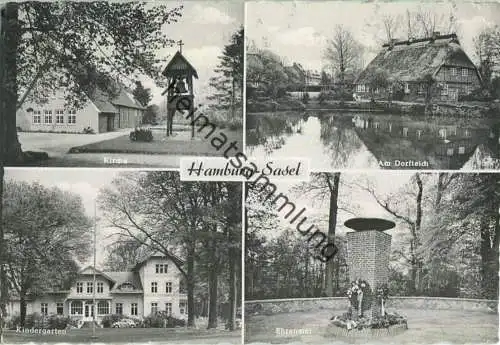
180 74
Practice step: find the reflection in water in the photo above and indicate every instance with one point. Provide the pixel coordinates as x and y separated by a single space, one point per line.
356 140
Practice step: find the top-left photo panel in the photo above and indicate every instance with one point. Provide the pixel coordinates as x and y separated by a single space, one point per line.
120 84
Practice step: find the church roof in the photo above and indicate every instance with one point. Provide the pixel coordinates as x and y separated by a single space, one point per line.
179 65
107 103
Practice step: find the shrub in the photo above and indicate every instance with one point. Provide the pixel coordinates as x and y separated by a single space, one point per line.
141 134
109 320
162 319
481 95
58 321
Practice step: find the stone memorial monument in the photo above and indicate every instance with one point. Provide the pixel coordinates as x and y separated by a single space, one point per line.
368 251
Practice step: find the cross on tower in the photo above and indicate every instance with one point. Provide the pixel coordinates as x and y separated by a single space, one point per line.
180 44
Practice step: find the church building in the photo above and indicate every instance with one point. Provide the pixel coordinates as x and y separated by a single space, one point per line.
102 113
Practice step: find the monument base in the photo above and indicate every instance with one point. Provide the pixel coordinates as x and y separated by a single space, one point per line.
340 332
390 324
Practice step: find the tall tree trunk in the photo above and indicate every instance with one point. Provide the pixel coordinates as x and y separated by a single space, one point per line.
190 285
212 287
416 235
22 307
233 289
333 186
10 38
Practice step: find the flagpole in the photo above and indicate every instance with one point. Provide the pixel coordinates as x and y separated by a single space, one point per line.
94 287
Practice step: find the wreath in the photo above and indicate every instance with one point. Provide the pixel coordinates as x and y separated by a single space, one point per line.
360 295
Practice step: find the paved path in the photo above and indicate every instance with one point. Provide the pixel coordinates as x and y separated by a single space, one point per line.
57 144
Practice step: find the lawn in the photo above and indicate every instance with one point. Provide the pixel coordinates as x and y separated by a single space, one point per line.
424 327
178 144
130 335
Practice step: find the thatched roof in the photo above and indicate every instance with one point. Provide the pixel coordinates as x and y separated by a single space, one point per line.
414 59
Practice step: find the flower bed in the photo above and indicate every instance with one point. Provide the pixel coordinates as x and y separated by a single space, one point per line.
356 323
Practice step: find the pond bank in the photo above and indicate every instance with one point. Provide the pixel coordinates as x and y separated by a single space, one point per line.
469 109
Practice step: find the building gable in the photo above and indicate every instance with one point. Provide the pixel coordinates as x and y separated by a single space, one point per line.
179 65
413 60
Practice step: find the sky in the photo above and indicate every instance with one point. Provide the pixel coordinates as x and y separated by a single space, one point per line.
299 31
205 28
365 204
84 182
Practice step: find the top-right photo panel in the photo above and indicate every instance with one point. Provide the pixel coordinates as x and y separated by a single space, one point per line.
352 85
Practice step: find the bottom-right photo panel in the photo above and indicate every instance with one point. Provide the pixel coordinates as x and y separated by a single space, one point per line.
394 258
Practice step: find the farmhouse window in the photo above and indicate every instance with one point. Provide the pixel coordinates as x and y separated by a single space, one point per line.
465 72
44 309
79 287
100 287
453 71
37 116
90 287
60 308
407 88
154 287
168 287
444 90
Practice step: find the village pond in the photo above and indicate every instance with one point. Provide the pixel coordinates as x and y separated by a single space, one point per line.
356 140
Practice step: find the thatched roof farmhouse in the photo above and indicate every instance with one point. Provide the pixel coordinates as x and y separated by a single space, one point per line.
410 64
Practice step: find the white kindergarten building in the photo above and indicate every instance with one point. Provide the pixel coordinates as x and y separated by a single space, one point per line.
152 285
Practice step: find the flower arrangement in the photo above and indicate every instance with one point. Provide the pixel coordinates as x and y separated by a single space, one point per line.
382 293
356 295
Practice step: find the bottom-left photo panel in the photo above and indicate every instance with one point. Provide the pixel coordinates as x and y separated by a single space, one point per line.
111 256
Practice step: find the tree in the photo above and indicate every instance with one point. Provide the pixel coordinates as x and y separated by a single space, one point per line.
487 51
266 69
228 83
344 53
122 255
151 114
378 80
431 88
50 49
467 225
46 230
411 217
192 220
326 186
325 80
142 95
